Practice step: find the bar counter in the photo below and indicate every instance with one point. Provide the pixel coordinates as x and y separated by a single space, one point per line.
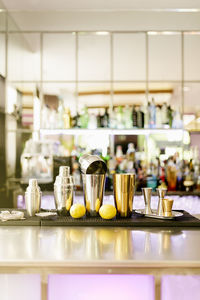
69 250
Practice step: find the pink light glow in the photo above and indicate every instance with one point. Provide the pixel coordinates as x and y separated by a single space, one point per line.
100 287
180 287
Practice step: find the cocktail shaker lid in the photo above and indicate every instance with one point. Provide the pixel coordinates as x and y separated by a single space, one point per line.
64 177
33 186
92 164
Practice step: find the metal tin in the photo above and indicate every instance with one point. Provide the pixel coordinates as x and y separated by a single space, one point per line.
33 198
124 187
93 187
92 164
63 191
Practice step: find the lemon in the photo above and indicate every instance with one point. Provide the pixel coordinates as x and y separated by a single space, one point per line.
77 210
107 211
97 204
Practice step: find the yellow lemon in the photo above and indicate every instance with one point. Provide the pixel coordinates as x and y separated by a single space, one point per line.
77 210
68 203
97 204
107 211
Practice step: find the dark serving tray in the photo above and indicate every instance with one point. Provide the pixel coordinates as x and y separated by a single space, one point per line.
135 220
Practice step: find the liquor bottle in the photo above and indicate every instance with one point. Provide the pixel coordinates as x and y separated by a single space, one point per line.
164 112
75 121
127 117
130 154
84 118
158 117
60 115
152 114
134 117
170 116
119 154
92 124
140 118
99 120
120 118
105 119
67 118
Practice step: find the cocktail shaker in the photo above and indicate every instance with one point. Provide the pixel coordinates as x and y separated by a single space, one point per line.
147 200
93 187
161 195
124 188
63 191
33 198
92 164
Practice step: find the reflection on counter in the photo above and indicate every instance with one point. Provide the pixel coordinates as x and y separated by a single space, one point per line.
95 244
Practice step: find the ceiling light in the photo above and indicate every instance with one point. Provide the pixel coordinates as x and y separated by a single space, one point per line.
187 10
102 33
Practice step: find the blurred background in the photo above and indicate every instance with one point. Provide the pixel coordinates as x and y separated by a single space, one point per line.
120 79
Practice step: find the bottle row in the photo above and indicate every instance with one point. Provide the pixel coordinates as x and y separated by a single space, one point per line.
127 117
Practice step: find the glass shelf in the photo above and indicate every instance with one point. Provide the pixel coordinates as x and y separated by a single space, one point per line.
108 131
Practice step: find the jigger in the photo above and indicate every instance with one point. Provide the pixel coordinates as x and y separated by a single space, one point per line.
147 200
161 195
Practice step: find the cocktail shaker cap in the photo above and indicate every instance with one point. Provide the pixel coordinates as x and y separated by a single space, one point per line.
92 164
64 177
33 186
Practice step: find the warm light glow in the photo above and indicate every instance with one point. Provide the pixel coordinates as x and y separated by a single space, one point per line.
102 33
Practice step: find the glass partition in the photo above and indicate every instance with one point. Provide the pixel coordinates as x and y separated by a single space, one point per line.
24 57
164 56
192 56
129 56
59 56
94 57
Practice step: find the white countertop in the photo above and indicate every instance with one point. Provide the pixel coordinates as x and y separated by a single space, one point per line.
92 246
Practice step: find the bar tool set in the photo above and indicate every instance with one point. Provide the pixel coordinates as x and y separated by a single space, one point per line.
93 170
164 210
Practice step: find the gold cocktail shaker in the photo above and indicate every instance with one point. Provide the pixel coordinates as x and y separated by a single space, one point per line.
124 187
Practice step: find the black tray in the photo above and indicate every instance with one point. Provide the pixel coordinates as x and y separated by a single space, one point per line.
135 220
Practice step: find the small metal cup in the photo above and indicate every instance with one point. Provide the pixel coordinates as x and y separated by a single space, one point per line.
93 187
161 195
167 207
124 187
147 200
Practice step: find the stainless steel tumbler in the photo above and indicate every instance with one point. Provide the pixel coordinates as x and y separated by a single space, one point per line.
63 191
93 186
124 188
33 198
92 164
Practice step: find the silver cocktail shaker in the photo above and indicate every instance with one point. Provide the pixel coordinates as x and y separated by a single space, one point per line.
63 191
33 197
92 164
